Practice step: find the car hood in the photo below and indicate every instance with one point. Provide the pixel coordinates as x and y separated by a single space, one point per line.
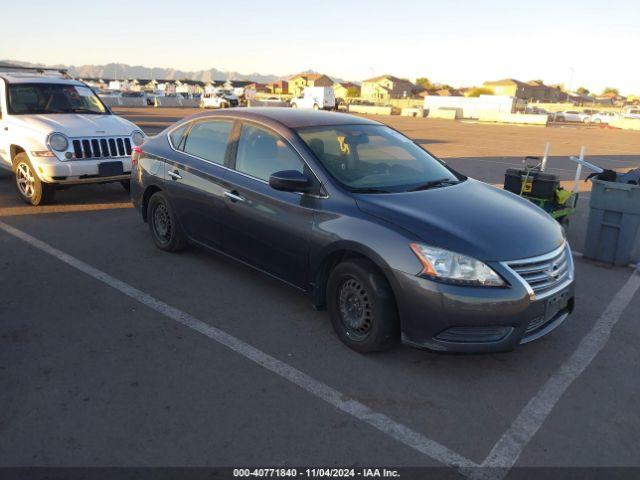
472 218
77 125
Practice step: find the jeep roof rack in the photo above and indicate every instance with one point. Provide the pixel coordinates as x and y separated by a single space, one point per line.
41 70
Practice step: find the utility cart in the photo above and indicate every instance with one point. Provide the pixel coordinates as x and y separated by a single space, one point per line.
544 189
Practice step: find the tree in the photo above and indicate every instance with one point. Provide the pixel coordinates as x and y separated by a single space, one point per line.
424 82
583 91
477 91
353 92
613 90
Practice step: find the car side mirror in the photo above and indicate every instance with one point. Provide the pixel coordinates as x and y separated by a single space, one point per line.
290 181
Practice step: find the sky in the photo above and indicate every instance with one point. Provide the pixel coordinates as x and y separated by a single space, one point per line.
588 43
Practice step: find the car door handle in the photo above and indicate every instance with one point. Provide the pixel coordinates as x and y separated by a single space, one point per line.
175 175
234 196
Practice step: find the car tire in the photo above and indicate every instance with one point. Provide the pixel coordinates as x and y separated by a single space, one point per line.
126 184
30 188
362 307
165 229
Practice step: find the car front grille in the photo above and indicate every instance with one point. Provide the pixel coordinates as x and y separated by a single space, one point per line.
91 148
546 272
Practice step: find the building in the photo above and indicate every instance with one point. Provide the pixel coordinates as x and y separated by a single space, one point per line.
298 82
346 89
167 87
257 87
532 91
385 87
120 85
147 85
96 83
441 92
189 87
278 87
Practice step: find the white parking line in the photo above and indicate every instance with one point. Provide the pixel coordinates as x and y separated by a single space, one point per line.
360 411
508 449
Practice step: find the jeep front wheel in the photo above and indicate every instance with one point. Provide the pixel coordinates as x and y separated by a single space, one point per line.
31 189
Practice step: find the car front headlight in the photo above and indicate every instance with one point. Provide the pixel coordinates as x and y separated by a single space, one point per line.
58 142
137 138
451 267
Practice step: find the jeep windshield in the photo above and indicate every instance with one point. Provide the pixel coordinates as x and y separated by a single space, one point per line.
376 159
46 98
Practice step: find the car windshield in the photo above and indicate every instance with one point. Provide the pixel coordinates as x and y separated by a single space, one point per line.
375 159
39 98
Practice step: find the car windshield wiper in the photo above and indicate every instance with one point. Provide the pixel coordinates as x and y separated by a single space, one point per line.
369 190
434 183
82 110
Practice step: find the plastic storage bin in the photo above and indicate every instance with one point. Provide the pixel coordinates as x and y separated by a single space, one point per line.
614 222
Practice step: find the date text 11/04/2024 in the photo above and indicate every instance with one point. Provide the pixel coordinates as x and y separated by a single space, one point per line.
316 473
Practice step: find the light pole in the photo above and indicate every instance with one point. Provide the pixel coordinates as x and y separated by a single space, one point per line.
570 86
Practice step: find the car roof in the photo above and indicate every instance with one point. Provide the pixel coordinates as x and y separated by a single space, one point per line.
19 77
291 117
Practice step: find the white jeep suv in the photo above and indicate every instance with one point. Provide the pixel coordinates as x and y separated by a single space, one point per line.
56 131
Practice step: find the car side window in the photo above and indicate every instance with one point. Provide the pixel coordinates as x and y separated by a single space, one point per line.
208 140
176 137
261 153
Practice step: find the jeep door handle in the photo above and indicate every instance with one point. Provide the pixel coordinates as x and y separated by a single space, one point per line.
175 175
234 196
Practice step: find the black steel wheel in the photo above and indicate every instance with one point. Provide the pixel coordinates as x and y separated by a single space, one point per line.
355 309
362 306
165 228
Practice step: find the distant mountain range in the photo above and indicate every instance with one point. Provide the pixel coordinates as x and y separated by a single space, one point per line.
123 71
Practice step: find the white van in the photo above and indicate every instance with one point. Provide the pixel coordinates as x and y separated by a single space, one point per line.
318 98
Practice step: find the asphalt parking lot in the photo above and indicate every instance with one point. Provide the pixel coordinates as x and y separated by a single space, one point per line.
113 353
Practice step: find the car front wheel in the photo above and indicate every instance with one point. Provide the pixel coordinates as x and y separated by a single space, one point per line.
30 188
361 306
163 224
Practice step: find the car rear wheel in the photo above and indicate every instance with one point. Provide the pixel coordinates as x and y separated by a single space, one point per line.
165 229
361 306
31 189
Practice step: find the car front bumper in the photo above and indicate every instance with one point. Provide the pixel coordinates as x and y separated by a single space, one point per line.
71 172
451 318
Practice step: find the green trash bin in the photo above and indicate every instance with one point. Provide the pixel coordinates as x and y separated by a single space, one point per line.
614 222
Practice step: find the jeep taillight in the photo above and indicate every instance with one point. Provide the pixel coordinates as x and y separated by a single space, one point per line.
135 156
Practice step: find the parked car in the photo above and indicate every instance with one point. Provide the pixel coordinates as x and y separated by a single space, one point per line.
631 112
218 100
572 116
603 117
536 111
317 98
56 131
389 239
